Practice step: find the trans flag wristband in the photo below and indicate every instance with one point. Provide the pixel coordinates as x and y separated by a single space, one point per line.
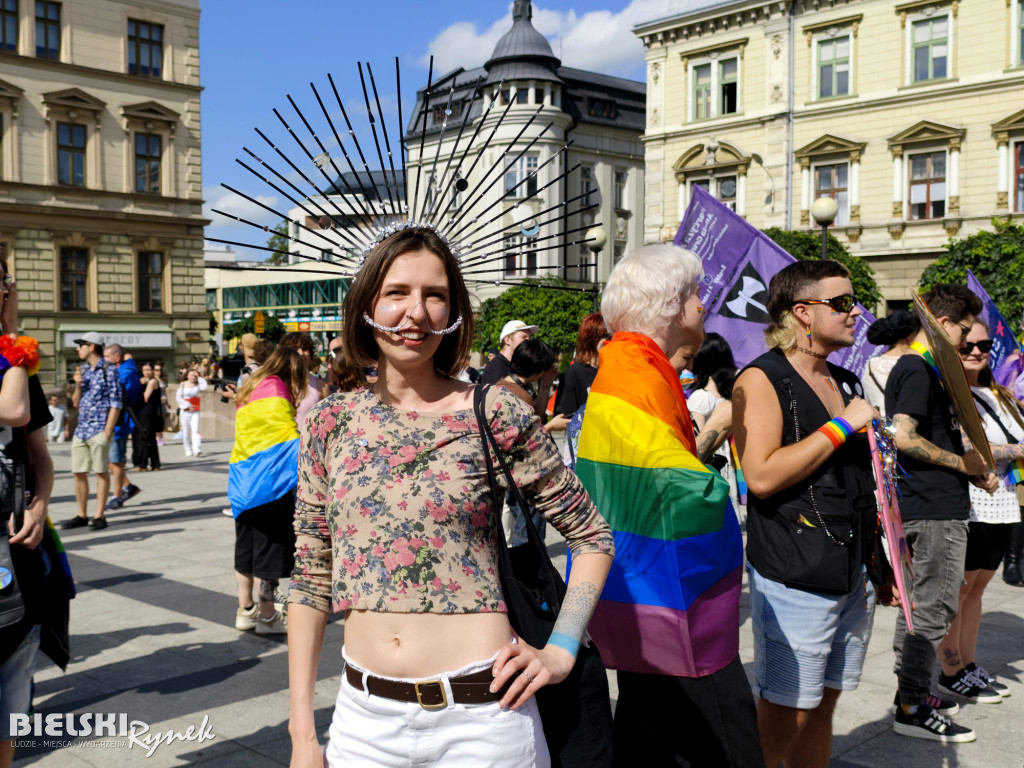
565 642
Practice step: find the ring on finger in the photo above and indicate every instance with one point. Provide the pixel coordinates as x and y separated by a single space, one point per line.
529 678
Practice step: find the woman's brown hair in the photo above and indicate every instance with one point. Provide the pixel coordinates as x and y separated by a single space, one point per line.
360 348
1003 395
285 363
592 331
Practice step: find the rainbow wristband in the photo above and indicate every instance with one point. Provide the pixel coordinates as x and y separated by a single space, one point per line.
565 642
837 431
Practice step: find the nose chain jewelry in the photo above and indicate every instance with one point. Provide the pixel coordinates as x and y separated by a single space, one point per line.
396 328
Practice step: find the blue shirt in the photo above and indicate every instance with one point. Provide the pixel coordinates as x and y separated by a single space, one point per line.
131 382
101 391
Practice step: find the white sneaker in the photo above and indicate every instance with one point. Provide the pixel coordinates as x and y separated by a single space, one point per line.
227 512
246 619
275 625
188 454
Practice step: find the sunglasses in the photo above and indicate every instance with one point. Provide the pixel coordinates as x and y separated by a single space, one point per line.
983 347
844 303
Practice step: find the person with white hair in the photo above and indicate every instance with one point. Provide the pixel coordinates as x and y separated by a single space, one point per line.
668 619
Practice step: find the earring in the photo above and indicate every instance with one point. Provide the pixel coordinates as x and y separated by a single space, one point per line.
808 334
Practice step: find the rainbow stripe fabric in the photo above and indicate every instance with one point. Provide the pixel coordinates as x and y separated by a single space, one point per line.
671 602
1015 472
264 463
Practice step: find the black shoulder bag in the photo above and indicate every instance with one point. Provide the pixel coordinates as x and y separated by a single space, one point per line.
12 502
576 713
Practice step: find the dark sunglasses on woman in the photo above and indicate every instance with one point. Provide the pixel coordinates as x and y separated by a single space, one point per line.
844 303
984 347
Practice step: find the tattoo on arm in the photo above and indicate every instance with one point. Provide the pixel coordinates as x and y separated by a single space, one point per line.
706 443
577 608
1008 452
917 447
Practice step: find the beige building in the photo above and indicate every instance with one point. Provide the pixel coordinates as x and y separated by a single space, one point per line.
909 114
100 183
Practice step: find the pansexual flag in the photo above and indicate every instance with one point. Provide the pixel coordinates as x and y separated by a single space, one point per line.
671 602
264 463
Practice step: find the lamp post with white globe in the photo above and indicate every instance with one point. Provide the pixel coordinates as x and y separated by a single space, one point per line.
824 211
597 239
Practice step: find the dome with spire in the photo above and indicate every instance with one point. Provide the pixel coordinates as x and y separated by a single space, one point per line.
522 53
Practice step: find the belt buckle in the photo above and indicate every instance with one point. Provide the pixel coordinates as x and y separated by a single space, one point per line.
419 694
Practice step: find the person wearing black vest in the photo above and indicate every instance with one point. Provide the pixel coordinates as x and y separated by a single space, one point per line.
811 517
935 505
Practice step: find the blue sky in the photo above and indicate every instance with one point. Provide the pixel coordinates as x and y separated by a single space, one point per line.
254 53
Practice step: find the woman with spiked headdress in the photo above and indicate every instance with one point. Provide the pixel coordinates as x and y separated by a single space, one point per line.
396 528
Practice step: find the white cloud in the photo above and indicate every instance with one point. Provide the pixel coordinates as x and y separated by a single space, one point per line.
230 203
598 41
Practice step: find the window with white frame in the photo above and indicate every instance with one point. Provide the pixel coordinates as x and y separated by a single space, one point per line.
47 29
71 154
927 185
520 259
1018 177
588 185
621 177
722 188
834 67
147 163
151 281
929 49
716 88
521 177
833 181
1018 34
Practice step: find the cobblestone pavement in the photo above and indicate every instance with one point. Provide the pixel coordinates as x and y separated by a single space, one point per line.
152 637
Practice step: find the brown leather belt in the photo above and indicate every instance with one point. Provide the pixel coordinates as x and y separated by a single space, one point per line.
430 694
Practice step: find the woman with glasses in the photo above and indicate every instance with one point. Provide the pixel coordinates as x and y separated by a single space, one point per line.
993 517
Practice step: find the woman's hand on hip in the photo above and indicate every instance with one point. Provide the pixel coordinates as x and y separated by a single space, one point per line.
537 667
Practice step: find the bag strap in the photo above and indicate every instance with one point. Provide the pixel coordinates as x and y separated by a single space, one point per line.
489 443
988 408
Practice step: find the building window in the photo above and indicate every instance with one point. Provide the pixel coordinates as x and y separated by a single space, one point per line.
522 95
522 170
930 49
505 96
927 186
620 189
722 189
716 89
9 25
74 273
1020 32
833 181
1018 177
601 108
517 260
211 299
47 30
151 281
452 111
147 163
588 185
71 154
145 48
834 67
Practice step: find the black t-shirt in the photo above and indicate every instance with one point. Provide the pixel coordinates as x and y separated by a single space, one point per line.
928 491
576 382
496 370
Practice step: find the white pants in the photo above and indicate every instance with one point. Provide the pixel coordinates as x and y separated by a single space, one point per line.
190 432
373 732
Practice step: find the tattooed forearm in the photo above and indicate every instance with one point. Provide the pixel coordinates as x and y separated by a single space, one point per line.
1008 452
706 443
917 447
577 608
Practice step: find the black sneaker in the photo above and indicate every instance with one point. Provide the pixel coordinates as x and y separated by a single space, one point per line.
928 724
968 686
128 492
991 682
75 522
115 503
942 706
97 524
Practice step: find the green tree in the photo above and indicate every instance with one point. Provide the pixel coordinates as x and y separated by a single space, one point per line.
543 302
995 257
273 329
805 245
279 242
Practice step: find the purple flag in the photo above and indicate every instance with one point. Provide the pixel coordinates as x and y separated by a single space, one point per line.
739 262
1003 340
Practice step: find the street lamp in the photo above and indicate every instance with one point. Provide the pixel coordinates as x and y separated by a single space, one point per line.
824 211
597 239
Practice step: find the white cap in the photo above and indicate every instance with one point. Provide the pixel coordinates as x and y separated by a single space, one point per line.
516 325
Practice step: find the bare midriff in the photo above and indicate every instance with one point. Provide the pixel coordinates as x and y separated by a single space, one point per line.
413 645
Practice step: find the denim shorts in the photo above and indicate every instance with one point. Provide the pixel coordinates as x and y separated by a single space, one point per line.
374 732
16 682
805 641
119 449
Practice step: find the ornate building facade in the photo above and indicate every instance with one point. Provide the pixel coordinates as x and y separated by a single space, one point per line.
909 114
100 175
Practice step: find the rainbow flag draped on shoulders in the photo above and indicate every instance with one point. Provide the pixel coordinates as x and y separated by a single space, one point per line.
671 602
264 463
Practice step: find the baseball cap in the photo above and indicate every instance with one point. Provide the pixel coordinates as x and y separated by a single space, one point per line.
516 325
90 338
248 342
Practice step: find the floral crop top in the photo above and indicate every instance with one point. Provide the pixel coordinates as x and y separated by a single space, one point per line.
394 509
